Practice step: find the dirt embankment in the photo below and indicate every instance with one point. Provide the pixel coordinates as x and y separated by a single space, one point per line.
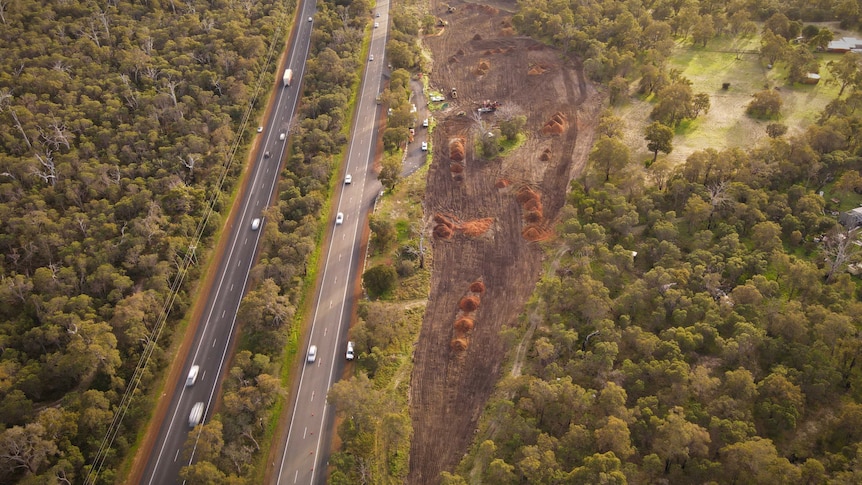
486 216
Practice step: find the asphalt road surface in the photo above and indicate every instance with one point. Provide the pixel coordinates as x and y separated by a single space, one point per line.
215 333
306 450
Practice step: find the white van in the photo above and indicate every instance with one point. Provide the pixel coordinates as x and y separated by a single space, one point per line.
193 376
312 354
196 414
281 137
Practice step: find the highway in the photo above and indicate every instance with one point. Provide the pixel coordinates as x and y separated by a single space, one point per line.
215 333
305 451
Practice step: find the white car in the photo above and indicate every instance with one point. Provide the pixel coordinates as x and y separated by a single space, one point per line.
281 136
348 179
193 376
260 129
255 224
425 123
339 218
424 146
309 19
312 354
376 24
349 355
371 57
196 415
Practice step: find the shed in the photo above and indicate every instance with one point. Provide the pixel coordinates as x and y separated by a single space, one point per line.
811 78
852 218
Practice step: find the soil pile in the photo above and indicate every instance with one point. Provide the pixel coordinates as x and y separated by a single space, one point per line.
456 149
476 227
556 125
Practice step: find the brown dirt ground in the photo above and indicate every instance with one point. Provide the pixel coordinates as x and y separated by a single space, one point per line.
456 368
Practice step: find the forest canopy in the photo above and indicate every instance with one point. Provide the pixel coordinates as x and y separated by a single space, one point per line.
121 123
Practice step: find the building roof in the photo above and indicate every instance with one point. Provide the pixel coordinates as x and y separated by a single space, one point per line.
845 44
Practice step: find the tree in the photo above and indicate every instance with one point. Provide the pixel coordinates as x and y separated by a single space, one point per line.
614 436
379 279
756 461
674 104
779 405
699 104
772 47
766 104
703 30
609 155
841 247
652 79
511 127
25 447
659 138
677 439
390 171
383 232
800 62
775 130
845 71
618 90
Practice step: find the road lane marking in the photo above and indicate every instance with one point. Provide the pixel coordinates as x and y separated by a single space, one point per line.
214 342
176 455
231 287
245 241
312 396
223 312
305 432
295 476
336 281
326 329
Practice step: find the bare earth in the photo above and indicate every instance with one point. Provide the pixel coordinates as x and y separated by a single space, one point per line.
487 217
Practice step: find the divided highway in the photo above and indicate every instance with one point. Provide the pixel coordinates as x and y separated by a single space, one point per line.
214 334
306 450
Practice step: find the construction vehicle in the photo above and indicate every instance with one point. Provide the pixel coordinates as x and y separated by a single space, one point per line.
489 106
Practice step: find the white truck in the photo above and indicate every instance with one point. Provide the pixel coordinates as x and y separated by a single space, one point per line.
288 77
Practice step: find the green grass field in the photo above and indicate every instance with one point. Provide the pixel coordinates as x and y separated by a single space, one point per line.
733 61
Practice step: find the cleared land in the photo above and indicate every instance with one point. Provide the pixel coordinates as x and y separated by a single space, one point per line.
486 216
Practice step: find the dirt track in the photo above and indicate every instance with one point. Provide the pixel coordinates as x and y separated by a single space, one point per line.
457 366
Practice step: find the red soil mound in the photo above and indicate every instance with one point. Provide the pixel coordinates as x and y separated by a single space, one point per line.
502 183
443 231
556 125
477 287
526 194
469 303
456 149
464 324
476 227
456 167
458 344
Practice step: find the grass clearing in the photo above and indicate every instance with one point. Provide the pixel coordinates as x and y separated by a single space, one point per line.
737 62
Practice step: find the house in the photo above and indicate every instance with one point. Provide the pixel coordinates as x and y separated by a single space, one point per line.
845 44
852 218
